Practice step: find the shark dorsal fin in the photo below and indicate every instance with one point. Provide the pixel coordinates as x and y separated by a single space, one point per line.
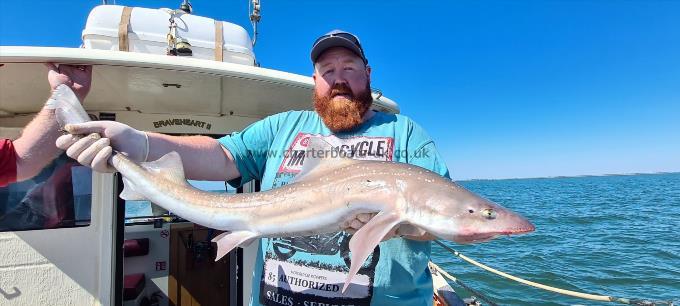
321 155
169 166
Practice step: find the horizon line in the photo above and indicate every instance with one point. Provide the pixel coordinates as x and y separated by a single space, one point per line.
568 176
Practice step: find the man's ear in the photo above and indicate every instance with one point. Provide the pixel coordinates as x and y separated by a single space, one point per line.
314 73
368 72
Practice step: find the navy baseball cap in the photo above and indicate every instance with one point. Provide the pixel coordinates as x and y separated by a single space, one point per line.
337 38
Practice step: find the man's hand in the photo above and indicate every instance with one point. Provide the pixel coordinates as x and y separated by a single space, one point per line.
94 152
79 78
405 231
361 219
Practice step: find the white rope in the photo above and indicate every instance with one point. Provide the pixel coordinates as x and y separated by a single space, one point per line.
594 297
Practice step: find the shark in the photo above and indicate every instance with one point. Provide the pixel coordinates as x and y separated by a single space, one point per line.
324 197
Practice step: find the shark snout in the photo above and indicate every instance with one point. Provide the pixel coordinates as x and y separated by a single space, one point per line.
515 224
523 225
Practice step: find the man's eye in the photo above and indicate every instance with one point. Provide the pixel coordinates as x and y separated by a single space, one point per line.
328 71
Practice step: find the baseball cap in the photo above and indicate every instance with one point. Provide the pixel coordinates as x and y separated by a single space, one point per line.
337 38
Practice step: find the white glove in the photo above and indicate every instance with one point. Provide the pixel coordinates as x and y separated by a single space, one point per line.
94 152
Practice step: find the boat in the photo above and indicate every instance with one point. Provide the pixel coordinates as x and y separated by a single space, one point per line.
94 248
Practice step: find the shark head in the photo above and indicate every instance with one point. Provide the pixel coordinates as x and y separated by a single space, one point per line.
465 217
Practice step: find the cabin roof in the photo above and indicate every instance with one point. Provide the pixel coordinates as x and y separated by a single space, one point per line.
157 84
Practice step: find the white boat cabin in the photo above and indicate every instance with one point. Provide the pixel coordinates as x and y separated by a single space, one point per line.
66 237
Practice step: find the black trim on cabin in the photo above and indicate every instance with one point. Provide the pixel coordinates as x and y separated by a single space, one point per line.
119 223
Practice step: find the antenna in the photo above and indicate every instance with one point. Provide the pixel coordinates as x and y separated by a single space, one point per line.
186 7
254 17
177 45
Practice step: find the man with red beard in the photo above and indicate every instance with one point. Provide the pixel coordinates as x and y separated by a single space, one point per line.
305 271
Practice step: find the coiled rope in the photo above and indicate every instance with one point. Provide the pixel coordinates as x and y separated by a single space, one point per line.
594 297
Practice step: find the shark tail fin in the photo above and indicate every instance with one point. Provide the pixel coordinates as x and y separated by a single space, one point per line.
67 107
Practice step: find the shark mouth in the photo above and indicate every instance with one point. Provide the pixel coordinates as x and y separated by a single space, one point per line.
474 237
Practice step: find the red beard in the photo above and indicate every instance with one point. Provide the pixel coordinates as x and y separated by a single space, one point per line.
343 115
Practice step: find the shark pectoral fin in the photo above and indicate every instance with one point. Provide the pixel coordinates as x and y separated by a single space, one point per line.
230 240
169 166
365 240
129 193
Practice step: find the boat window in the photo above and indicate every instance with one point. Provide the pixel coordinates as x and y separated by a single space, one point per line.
145 211
139 212
59 196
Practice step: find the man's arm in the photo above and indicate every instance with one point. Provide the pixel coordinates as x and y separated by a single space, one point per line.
203 157
35 148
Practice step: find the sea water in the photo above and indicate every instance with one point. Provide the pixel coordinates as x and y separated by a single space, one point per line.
610 235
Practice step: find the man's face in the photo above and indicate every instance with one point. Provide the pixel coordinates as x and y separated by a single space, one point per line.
342 92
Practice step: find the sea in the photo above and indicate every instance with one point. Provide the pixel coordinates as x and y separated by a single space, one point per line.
613 235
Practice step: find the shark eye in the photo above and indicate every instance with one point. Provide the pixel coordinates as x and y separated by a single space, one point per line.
471 211
489 214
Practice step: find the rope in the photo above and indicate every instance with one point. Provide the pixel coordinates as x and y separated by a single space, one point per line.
123 39
594 297
460 283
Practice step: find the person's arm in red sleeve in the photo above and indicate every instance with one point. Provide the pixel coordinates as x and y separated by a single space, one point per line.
8 163
35 148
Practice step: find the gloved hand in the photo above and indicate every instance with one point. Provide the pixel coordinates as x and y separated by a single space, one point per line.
94 152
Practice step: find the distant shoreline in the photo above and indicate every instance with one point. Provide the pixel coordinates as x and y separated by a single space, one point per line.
569 176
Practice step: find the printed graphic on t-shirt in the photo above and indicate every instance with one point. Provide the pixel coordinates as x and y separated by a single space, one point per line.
358 147
311 271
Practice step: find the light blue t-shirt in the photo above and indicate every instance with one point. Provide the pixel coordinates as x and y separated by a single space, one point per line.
310 271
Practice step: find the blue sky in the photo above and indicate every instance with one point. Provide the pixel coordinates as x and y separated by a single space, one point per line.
506 88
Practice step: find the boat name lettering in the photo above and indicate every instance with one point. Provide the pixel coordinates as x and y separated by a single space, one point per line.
182 121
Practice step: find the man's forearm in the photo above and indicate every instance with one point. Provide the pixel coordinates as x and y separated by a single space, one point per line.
35 148
203 157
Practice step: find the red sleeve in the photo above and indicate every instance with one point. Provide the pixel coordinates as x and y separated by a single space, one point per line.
8 163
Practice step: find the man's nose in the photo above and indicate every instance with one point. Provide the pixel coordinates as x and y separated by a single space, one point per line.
340 79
